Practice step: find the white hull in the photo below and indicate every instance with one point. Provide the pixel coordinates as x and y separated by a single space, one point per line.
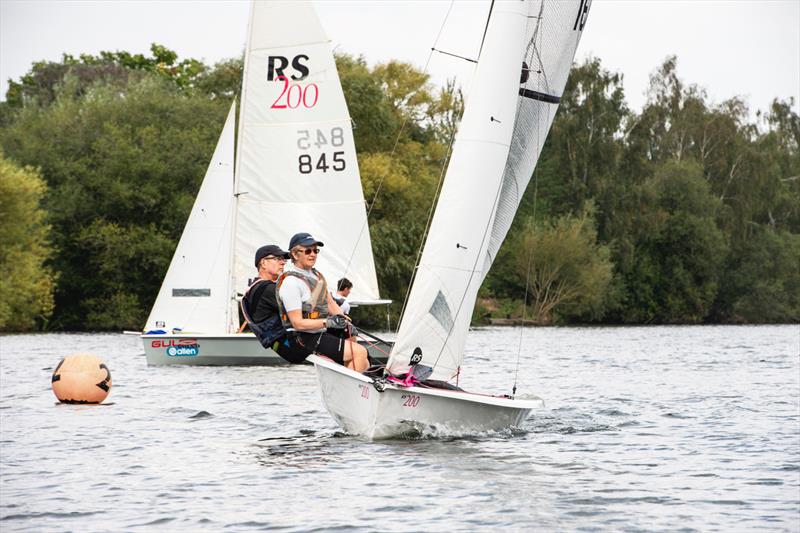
238 349
360 409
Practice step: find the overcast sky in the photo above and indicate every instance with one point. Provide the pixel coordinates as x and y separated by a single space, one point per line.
749 48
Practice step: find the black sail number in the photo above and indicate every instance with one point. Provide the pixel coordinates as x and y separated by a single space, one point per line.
318 140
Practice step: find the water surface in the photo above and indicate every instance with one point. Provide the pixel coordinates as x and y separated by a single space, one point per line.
652 428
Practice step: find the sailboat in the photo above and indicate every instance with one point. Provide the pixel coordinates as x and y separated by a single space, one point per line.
294 169
520 76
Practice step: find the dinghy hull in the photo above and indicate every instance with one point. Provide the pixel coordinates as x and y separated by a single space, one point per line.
361 409
239 349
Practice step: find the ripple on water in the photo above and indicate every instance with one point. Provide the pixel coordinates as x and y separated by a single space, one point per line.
647 429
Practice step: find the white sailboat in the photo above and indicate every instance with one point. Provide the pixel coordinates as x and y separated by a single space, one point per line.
506 119
295 170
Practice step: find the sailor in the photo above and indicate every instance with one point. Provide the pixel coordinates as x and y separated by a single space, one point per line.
260 306
343 288
308 309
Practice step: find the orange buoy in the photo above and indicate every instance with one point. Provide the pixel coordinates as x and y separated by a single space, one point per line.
81 378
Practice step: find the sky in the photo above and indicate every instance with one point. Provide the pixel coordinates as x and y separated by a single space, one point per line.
747 48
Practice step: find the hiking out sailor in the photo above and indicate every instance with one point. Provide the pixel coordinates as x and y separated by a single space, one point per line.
308 309
343 288
260 303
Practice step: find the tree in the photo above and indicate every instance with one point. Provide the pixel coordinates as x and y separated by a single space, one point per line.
44 81
674 270
124 165
567 273
26 284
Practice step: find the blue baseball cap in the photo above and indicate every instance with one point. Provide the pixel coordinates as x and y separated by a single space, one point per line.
303 239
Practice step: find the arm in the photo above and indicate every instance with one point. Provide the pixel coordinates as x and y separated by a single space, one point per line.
333 307
302 324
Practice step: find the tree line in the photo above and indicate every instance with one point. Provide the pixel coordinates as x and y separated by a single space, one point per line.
687 211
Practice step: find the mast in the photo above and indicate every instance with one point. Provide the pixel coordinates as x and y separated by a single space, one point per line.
230 325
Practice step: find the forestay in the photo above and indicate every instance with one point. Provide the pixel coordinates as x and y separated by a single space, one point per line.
296 163
195 292
521 73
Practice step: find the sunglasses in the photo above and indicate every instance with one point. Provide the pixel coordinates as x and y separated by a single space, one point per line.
279 259
309 251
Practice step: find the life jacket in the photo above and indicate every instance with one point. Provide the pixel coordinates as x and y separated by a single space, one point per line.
269 330
316 306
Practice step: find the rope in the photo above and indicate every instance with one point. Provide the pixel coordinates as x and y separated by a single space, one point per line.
534 51
391 155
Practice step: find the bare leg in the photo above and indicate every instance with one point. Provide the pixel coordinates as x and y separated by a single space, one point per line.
355 356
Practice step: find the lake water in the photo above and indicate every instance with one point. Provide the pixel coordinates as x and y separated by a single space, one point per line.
645 429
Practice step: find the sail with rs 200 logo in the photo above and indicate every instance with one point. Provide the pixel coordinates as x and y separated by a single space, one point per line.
295 170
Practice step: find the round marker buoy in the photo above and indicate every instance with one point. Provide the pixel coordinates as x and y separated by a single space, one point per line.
81 378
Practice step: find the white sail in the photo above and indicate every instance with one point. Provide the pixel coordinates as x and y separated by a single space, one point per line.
296 165
505 123
551 39
195 293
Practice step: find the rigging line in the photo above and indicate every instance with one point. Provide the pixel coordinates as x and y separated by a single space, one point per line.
486 28
438 185
527 279
533 49
391 157
427 225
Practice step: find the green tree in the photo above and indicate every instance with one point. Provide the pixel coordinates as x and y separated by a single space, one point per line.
26 283
566 271
45 80
762 284
674 268
126 164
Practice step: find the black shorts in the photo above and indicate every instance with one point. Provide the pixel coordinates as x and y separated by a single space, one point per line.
303 344
285 349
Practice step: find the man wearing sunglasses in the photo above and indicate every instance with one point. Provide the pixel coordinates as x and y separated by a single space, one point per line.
308 310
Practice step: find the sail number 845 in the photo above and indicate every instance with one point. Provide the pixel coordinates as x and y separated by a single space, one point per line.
324 161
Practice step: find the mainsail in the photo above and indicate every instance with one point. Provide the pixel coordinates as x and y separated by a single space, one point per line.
195 293
521 73
296 165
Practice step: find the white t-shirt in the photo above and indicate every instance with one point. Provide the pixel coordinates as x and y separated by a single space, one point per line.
344 305
293 292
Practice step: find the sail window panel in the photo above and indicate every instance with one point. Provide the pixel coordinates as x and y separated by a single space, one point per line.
441 312
190 293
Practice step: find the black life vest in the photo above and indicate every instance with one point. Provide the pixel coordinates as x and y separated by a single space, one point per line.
269 330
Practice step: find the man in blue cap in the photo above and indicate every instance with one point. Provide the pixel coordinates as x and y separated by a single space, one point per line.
308 310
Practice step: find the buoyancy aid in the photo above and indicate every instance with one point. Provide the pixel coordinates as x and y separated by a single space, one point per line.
316 306
269 330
